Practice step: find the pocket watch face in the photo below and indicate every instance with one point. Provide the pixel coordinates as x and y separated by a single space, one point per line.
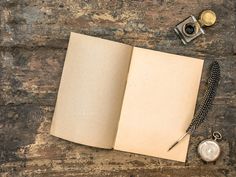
209 150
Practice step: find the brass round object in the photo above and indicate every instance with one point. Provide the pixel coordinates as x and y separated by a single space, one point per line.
207 18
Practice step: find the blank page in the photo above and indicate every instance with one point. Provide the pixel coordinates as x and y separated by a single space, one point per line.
159 104
91 91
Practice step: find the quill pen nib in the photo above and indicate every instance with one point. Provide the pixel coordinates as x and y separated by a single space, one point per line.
182 137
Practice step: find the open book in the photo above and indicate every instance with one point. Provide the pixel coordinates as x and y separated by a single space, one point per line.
131 99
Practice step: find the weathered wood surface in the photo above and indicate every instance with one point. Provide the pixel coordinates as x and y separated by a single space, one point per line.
33 41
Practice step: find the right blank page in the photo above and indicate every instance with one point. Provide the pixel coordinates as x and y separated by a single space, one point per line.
159 104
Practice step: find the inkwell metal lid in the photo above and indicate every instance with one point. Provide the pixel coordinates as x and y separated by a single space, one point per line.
207 18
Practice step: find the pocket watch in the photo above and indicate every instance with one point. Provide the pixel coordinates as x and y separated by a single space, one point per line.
209 149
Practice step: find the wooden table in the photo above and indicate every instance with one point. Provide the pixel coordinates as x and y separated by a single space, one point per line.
34 37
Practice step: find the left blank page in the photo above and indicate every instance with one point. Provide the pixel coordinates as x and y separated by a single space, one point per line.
91 91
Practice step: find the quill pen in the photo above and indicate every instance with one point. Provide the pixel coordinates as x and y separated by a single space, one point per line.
206 102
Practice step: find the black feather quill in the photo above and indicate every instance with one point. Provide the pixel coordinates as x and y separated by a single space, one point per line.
206 103
208 98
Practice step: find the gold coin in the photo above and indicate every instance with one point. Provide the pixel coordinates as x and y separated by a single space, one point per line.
207 18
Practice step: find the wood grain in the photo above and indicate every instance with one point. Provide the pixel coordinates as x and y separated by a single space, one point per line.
33 41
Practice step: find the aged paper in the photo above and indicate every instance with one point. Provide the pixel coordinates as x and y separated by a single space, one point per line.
159 104
91 91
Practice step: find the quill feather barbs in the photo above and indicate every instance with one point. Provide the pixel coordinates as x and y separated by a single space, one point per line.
207 100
